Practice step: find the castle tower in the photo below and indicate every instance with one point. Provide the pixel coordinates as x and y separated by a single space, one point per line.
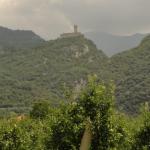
72 34
75 29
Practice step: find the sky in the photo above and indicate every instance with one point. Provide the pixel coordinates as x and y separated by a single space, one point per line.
49 18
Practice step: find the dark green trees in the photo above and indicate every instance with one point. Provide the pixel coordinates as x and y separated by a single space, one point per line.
40 110
64 127
142 136
97 102
95 105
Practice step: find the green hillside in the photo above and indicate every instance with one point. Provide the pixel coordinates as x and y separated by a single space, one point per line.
20 39
40 73
131 71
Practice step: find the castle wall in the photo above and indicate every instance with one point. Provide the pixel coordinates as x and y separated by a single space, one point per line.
67 35
73 34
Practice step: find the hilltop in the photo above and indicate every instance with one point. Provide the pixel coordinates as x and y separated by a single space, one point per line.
40 73
44 71
20 39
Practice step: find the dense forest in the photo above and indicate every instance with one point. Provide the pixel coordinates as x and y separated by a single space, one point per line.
49 101
42 73
131 71
64 127
18 39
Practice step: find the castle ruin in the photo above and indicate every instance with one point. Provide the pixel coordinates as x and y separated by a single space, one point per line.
73 34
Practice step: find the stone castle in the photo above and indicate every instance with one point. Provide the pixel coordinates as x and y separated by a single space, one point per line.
73 34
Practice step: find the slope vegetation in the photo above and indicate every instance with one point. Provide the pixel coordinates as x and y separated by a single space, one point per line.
131 71
18 39
40 73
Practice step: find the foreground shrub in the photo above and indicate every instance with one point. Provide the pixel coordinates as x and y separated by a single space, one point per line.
40 110
142 136
96 105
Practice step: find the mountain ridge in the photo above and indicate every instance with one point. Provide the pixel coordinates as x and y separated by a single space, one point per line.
20 39
113 44
131 71
40 73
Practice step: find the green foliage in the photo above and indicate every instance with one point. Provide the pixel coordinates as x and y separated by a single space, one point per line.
131 71
95 103
18 39
120 132
142 136
39 74
40 110
24 135
13 139
62 127
67 130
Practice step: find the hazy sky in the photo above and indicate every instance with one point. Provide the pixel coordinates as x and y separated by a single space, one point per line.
49 18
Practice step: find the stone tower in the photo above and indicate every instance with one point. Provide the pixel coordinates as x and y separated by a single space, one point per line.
75 29
76 33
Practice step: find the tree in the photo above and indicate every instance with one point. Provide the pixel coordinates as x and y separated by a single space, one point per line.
23 135
40 110
13 138
142 137
94 104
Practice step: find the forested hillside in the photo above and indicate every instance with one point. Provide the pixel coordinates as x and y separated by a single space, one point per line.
90 122
131 71
54 67
44 72
20 39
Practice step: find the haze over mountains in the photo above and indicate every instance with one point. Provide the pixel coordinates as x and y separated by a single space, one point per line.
113 44
39 71
109 43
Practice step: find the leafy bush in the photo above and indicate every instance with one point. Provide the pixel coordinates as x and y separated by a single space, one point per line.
40 110
95 103
142 136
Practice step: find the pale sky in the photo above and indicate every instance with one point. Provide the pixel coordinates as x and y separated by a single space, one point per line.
49 18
